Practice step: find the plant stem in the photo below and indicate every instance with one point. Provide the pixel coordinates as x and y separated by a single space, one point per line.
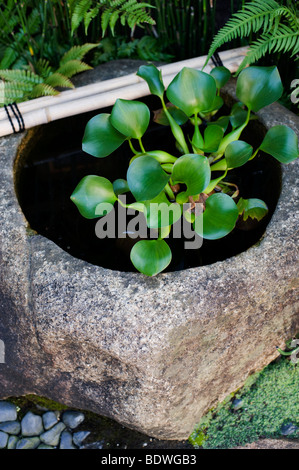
167 167
132 148
23 21
175 129
197 139
255 153
141 146
219 166
54 27
169 192
44 28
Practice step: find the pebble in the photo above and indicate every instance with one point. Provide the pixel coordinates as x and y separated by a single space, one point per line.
52 436
237 404
72 419
50 418
41 429
32 424
11 427
3 439
66 441
8 411
28 443
79 437
288 429
12 442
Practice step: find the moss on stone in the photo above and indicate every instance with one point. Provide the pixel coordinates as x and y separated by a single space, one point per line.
31 402
269 401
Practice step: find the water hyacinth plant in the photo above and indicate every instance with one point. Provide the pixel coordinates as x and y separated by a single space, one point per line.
196 174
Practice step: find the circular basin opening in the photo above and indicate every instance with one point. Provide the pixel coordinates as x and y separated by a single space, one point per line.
51 163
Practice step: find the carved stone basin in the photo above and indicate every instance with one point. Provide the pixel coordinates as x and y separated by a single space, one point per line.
152 353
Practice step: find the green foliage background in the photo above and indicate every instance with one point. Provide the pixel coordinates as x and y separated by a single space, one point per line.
269 401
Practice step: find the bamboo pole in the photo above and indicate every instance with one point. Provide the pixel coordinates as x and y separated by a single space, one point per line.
119 82
103 94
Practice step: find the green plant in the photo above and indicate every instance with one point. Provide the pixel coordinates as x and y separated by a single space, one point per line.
20 85
34 31
267 402
118 47
184 26
36 60
42 45
183 184
278 25
129 12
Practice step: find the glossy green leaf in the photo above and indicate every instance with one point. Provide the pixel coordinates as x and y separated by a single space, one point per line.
221 75
238 115
146 178
131 118
231 137
192 170
189 216
178 115
282 143
258 87
219 218
237 153
177 132
253 208
160 212
164 232
212 136
217 104
161 156
120 186
220 165
181 198
197 140
100 137
221 122
192 91
90 192
150 257
153 78
214 182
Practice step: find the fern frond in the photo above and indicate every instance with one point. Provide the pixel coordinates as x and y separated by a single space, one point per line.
105 19
284 40
58 80
131 12
8 21
8 58
42 89
254 16
81 8
291 17
20 86
112 21
72 67
77 53
43 68
90 15
10 93
33 22
23 76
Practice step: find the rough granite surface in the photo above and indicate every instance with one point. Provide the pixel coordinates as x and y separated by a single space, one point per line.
152 353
